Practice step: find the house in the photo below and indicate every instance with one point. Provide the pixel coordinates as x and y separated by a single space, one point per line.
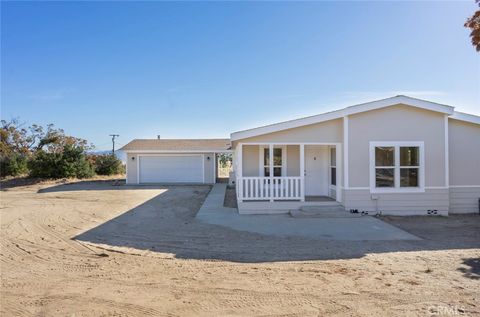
397 156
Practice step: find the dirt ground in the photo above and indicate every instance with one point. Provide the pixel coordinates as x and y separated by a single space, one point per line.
56 260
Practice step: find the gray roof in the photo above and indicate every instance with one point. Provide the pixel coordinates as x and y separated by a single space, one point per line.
177 145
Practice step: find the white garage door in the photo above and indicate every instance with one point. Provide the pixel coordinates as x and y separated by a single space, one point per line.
171 169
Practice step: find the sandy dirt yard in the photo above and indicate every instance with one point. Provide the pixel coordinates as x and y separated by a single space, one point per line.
82 250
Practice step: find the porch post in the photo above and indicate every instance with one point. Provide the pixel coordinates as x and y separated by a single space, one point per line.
339 187
270 163
239 173
302 172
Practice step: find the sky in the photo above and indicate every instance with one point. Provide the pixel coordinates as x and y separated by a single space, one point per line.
206 69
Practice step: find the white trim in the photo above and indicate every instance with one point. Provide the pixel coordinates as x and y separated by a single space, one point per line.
397 167
330 166
203 167
357 188
126 172
302 172
138 169
426 187
378 104
290 143
339 186
140 155
345 151
447 163
177 151
465 117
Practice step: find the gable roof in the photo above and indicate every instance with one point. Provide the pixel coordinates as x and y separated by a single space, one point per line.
177 145
373 105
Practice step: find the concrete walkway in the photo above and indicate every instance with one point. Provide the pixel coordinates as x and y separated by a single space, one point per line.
355 229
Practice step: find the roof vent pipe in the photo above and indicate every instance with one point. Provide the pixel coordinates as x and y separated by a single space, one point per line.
158 136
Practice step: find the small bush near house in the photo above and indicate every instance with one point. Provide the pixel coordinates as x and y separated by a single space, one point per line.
70 162
13 165
108 164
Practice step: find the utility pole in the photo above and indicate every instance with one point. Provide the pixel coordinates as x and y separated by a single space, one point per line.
113 142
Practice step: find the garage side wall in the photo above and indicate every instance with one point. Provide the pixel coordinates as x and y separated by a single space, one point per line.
209 167
132 168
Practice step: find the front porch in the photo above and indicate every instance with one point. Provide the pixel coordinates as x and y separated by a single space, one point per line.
295 175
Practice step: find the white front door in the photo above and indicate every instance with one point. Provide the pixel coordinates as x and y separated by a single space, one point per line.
316 170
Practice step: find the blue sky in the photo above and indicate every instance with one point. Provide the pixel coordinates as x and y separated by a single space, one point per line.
193 70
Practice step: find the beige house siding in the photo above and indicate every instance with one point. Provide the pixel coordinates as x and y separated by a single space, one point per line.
132 172
464 149
293 160
250 162
464 200
399 203
327 132
396 123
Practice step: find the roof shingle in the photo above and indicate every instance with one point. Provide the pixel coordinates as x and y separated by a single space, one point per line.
177 145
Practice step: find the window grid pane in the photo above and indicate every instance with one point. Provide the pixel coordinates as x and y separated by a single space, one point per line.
266 157
409 156
333 157
333 172
384 177
385 156
409 177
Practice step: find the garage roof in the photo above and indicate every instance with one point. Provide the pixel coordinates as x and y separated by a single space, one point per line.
177 145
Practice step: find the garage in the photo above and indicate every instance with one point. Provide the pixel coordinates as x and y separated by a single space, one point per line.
183 161
171 169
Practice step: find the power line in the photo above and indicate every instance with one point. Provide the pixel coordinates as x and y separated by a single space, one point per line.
113 142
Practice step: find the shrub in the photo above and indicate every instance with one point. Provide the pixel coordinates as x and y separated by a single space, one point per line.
108 164
13 165
71 162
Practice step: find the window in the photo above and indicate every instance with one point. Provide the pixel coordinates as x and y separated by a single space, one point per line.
277 161
333 166
396 166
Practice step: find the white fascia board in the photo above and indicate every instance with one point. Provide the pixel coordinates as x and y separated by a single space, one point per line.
418 103
423 104
287 125
177 151
465 117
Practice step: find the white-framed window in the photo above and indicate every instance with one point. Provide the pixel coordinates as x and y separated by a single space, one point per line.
397 167
279 161
333 167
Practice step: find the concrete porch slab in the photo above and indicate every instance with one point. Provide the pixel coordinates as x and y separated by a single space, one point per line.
283 225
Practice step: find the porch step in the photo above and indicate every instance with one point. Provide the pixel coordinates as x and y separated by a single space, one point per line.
333 207
334 211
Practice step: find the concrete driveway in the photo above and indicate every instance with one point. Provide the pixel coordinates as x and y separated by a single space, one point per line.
355 229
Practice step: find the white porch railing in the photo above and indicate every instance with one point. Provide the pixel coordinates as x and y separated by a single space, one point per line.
269 188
